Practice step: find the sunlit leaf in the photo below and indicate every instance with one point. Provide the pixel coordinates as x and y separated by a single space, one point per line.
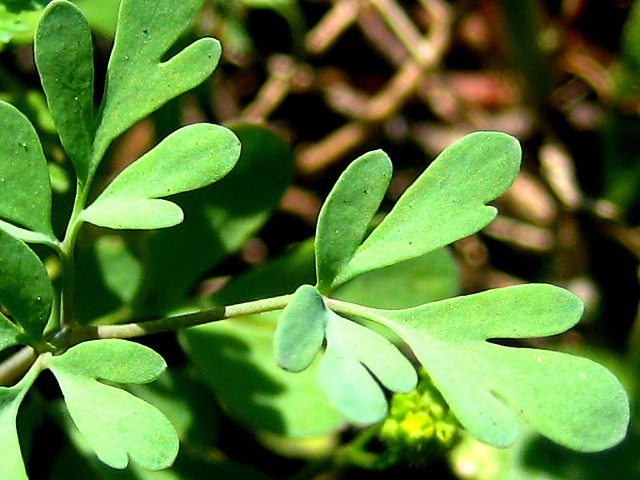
9 333
190 158
25 191
221 217
446 203
140 78
492 388
25 289
64 56
300 331
354 356
124 427
347 212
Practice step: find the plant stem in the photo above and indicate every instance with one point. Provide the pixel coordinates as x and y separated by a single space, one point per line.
168 324
16 365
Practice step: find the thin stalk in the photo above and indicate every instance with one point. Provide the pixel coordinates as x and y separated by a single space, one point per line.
14 367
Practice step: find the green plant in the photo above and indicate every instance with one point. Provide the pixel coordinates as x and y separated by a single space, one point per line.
357 352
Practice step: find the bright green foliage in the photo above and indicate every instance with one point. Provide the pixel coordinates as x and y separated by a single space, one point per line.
347 213
25 193
25 290
509 385
300 332
190 158
64 56
355 360
449 199
139 77
125 427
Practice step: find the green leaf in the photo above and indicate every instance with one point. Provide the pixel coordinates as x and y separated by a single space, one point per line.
219 218
236 361
448 199
491 388
354 355
64 56
347 212
424 279
105 414
300 331
139 78
10 400
190 158
25 289
25 191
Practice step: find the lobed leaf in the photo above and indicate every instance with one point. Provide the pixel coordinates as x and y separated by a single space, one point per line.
346 214
300 331
354 355
64 56
491 388
117 425
10 334
25 288
446 203
139 79
190 158
25 191
10 400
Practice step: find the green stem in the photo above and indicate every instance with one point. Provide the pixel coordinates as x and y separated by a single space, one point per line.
70 337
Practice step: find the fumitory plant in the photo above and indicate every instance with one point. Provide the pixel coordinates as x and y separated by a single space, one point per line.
356 353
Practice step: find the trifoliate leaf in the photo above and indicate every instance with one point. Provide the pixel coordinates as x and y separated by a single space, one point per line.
117 425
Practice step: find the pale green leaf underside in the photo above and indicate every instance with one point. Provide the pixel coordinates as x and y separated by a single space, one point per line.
190 158
25 289
64 56
10 400
139 78
355 360
25 191
347 213
124 427
446 203
300 331
571 400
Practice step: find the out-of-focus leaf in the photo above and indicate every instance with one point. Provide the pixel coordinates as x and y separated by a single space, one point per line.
237 362
424 279
153 442
25 191
190 158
